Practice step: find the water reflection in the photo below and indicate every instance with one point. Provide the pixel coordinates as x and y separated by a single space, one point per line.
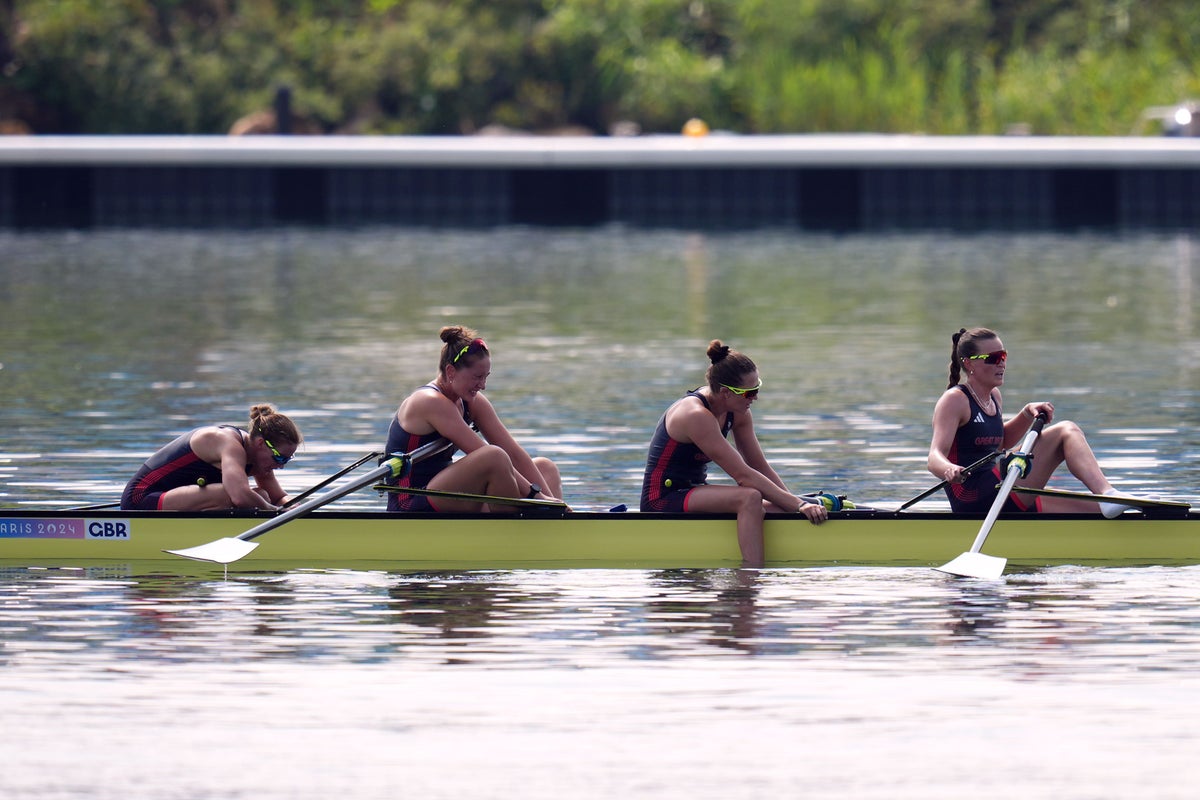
1035 623
719 606
976 610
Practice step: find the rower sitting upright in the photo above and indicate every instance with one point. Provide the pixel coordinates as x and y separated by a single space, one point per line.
967 425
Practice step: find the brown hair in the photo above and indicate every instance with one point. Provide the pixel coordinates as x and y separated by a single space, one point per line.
965 344
462 346
268 423
728 365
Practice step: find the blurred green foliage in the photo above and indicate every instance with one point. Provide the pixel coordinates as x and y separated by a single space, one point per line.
455 66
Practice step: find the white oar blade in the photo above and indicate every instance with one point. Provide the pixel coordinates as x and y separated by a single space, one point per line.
976 565
222 551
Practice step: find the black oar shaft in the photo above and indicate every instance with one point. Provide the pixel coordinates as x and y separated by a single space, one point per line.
300 497
967 472
97 507
388 467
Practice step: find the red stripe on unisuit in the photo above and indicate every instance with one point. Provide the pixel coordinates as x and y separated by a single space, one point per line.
656 487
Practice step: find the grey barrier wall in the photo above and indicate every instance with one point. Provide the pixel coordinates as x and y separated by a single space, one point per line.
840 183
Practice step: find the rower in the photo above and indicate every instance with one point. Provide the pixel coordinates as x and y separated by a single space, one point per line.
210 468
967 424
692 432
453 406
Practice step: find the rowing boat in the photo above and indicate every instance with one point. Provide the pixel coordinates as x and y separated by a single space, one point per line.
541 539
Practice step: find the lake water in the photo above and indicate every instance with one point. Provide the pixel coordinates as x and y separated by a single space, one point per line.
1066 682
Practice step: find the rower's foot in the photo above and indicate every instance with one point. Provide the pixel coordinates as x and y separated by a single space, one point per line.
1113 510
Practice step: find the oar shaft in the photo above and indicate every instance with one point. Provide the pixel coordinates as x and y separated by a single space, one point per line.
98 507
389 467
230 549
314 489
966 473
1014 472
1141 502
478 498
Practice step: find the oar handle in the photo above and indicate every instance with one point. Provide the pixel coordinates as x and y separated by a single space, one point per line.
967 472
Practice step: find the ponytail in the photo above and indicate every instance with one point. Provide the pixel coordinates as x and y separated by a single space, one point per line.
964 345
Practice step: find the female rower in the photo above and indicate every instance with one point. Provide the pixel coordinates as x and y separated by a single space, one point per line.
447 407
210 468
692 432
967 425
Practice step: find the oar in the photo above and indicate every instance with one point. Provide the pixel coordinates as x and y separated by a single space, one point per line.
1139 502
477 498
330 480
230 549
966 473
974 564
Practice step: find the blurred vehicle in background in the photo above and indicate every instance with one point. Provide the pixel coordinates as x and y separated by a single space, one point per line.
1181 119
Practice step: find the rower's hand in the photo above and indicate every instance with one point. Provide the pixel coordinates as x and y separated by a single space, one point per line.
554 500
1031 410
816 512
953 474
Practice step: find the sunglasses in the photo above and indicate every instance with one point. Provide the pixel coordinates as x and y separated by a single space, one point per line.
475 346
996 357
280 458
750 393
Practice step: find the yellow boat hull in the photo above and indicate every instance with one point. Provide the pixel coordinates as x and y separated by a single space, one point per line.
587 539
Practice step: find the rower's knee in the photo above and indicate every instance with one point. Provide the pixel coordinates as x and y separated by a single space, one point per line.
1070 429
751 502
1069 437
490 459
548 469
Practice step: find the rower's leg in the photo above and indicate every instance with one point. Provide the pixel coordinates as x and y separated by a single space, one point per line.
549 470
1066 442
747 503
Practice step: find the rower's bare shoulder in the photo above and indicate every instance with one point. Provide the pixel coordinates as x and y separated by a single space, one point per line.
212 442
952 402
215 434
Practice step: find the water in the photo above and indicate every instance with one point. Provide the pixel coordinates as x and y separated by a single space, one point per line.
114 342
1067 682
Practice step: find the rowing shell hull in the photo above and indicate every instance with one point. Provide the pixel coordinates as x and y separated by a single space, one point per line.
588 539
